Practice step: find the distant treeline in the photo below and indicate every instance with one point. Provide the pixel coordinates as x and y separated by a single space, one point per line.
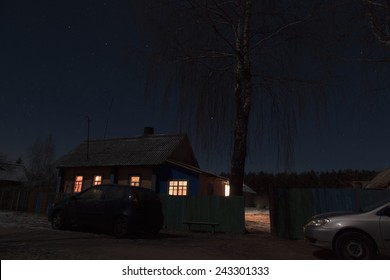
260 181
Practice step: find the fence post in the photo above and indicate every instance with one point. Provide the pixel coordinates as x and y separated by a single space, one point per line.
17 201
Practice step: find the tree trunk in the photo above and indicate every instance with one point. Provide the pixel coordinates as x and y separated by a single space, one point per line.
243 92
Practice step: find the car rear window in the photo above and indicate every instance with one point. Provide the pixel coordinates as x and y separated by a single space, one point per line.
117 192
92 194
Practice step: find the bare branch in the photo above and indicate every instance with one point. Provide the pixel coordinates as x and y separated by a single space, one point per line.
279 30
374 3
378 16
206 13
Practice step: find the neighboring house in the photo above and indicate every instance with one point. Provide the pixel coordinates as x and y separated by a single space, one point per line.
12 175
249 195
163 163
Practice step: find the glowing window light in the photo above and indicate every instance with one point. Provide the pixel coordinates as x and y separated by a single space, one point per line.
78 184
97 180
178 188
227 190
135 181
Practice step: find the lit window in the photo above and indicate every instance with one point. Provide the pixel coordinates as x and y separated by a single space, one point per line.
97 180
227 189
178 187
78 184
135 181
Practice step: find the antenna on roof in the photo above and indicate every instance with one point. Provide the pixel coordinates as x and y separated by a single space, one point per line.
88 122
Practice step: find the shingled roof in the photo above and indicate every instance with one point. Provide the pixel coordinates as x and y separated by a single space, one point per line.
144 150
12 172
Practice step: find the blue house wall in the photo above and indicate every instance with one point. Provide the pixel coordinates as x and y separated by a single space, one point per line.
170 171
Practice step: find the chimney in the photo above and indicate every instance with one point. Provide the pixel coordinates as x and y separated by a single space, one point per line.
148 131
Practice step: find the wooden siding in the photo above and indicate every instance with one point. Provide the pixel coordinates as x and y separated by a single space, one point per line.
109 175
68 176
145 172
152 177
211 185
169 172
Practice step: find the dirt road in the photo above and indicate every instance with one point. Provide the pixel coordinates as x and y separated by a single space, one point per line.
28 236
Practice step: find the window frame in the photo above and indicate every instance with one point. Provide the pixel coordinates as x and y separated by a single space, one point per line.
174 190
78 184
94 180
135 184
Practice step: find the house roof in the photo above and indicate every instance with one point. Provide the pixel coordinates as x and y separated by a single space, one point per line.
12 172
247 189
143 150
197 170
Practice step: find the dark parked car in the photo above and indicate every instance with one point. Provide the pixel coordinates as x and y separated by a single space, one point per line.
352 235
124 209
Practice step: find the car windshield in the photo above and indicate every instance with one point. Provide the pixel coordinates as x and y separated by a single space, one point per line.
375 205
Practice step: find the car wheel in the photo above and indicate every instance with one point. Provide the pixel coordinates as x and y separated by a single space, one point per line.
58 220
354 246
121 227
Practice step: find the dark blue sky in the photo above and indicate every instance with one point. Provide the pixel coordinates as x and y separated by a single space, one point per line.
64 61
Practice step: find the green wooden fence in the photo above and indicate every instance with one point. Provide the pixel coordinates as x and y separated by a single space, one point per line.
229 212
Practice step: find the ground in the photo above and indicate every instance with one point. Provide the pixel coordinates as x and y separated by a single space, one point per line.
257 221
29 236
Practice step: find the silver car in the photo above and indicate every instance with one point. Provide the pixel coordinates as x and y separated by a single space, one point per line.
354 235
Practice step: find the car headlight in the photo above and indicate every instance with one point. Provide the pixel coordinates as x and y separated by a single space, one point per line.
318 222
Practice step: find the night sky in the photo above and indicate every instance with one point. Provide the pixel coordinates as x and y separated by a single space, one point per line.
64 62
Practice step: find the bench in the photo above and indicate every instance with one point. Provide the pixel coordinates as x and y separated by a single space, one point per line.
211 224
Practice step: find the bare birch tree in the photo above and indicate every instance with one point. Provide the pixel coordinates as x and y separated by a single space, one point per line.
40 170
223 57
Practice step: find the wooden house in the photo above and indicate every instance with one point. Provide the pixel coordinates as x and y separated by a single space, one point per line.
161 162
